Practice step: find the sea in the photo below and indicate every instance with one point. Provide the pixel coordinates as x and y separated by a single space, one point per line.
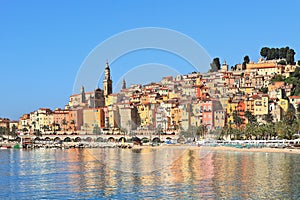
148 173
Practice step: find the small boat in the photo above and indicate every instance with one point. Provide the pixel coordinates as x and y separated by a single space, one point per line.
5 147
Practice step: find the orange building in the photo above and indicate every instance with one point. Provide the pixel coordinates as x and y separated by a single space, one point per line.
76 119
241 112
61 118
4 122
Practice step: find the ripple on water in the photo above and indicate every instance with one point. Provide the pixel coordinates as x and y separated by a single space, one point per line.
76 174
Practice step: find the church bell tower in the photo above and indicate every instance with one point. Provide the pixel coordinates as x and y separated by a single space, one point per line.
107 82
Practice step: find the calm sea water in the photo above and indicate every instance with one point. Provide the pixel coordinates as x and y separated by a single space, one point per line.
129 174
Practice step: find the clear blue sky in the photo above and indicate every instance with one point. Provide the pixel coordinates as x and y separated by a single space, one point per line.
43 43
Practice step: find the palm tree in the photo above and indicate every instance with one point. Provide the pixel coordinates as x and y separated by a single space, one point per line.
237 133
289 117
14 130
201 131
25 129
45 127
73 124
227 131
86 126
251 118
34 123
237 119
64 123
249 131
96 129
268 118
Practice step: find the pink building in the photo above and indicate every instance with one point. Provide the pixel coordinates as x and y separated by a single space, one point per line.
207 113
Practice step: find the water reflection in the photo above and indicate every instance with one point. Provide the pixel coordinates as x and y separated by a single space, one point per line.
97 173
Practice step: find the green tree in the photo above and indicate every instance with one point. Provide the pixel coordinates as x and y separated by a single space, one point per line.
246 61
283 131
282 62
64 123
37 132
264 90
14 129
201 131
237 119
250 117
264 52
73 124
97 130
215 65
271 54
25 129
277 78
45 128
281 53
86 126
289 117
268 118
227 131
290 56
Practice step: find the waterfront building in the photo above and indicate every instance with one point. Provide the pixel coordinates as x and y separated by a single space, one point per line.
4 122
76 119
129 117
41 120
112 117
174 103
24 123
93 120
13 125
61 120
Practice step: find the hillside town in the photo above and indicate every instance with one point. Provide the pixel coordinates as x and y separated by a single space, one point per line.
226 100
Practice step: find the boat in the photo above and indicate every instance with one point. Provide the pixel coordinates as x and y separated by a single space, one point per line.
5 147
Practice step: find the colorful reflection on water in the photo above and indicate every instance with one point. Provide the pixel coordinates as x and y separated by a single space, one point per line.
185 173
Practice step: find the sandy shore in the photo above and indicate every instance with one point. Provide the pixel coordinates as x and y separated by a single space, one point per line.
224 148
264 149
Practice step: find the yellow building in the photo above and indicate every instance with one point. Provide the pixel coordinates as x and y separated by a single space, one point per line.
41 119
111 99
247 90
92 117
113 116
261 105
231 106
144 114
249 104
284 104
175 117
266 68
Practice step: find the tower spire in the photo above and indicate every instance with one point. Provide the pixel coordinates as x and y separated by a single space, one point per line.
82 94
124 84
107 82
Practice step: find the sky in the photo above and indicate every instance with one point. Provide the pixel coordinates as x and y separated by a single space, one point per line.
44 43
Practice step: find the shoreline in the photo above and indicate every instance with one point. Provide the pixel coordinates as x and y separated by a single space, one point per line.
225 148
261 150
182 146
